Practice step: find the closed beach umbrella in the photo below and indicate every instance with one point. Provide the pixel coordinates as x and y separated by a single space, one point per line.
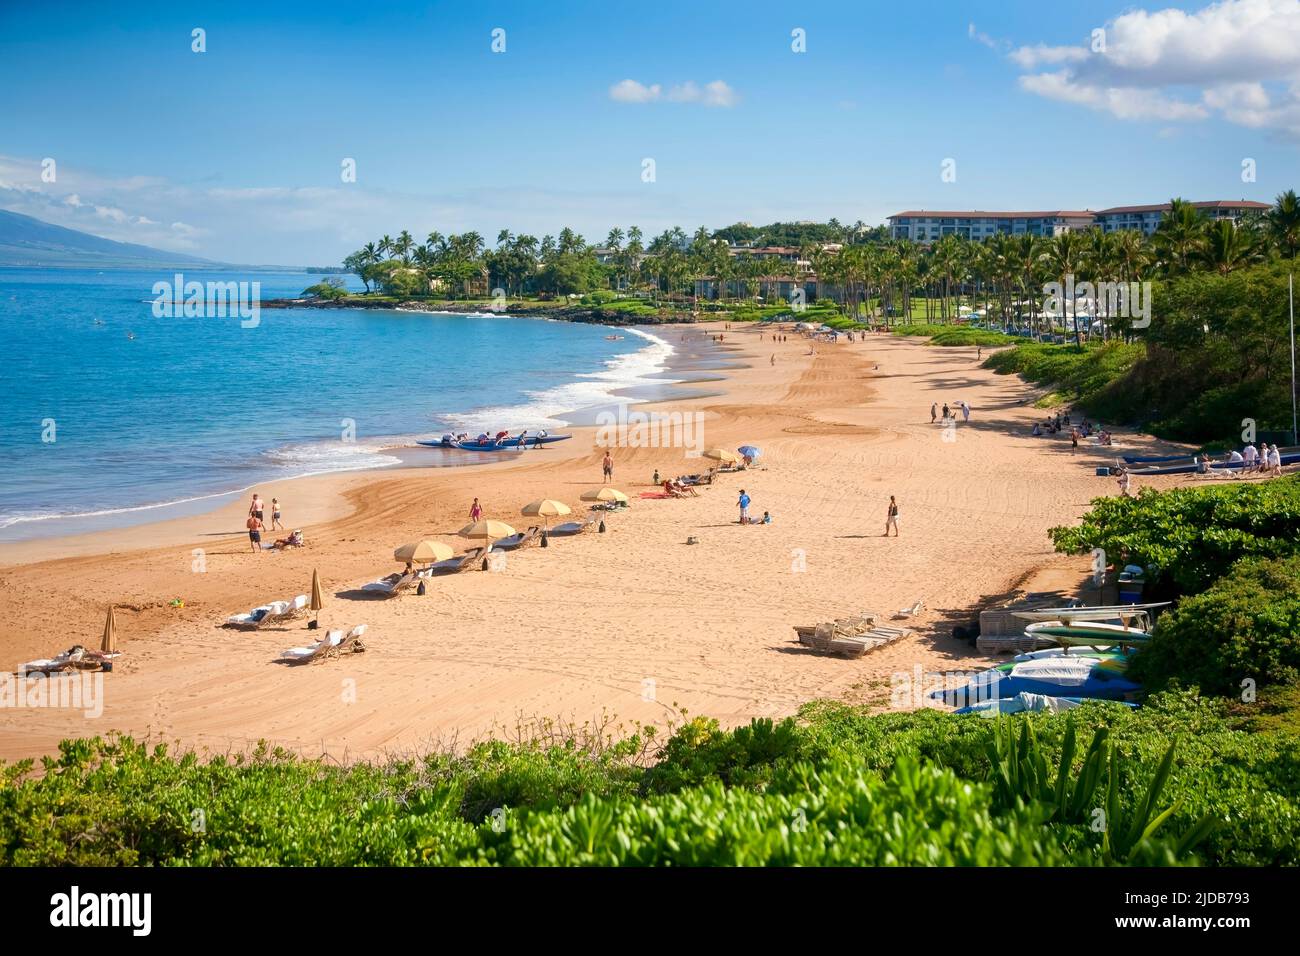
317 598
109 644
488 531
603 494
723 455
423 552
545 508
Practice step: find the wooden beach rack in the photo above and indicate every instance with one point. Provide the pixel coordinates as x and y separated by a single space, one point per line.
850 636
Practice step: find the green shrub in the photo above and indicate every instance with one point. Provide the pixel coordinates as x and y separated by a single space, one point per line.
1246 626
1187 537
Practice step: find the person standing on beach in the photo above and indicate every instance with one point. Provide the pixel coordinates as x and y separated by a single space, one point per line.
891 518
743 501
475 511
607 467
934 411
255 526
947 412
1125 482
1275 461
979 353
774 358
965 411
255 510
1074 440
275 515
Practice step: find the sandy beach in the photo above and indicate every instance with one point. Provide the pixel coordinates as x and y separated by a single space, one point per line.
633 624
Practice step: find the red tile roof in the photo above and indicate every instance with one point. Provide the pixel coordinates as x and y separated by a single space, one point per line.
983 214
1163 207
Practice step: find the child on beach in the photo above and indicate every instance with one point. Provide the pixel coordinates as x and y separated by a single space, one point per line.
934 411
475 511
891 518
743 501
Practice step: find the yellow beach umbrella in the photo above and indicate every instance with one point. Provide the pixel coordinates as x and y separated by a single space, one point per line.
603 494
424 552
723 455
488 531
545 508
317 597
109 644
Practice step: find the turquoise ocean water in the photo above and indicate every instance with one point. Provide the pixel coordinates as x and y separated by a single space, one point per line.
153 414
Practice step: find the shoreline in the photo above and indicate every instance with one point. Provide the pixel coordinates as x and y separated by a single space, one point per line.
578 629
677 372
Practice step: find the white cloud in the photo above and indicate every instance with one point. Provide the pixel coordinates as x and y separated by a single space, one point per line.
1029 57
630 91
1237 60
716 93
978 37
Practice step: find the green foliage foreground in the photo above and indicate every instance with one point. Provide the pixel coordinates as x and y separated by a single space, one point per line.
836 787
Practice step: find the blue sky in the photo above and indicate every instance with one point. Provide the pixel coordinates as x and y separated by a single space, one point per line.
235 153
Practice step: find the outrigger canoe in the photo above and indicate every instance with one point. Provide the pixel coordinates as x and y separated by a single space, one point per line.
495 444
1186 466
1088 633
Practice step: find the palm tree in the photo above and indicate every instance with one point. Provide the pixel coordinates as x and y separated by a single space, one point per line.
402 247
1283 222
385 246
1228 247
1180 236
1065 253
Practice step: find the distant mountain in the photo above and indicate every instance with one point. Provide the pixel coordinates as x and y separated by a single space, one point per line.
25 241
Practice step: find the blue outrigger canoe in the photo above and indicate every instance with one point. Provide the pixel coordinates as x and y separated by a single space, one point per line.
1186 466
502 444
1154 459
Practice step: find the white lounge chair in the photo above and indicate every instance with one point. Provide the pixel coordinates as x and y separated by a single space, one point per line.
259 616
388 588
575 527
912 611
305 655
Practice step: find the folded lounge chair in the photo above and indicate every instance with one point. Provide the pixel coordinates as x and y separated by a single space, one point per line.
391 585
273 613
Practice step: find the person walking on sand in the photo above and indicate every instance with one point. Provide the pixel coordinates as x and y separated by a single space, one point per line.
934 411
276 524
1074 440
1125 483
965 411
1275 461
255 510
607 467
743 502
891 518
475 511
254 526
947 412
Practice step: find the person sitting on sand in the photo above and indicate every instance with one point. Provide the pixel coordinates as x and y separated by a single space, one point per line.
767 518
1037 431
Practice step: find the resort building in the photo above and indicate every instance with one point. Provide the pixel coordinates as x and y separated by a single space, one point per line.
1145 219
922 225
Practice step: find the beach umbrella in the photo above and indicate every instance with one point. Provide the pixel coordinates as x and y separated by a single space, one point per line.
721 454
603 494
750 451
424 552
488 531
545 508
109 644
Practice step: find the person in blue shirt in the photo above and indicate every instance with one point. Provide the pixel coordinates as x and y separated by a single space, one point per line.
744 507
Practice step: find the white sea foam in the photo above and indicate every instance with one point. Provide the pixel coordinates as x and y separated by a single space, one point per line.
544 408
